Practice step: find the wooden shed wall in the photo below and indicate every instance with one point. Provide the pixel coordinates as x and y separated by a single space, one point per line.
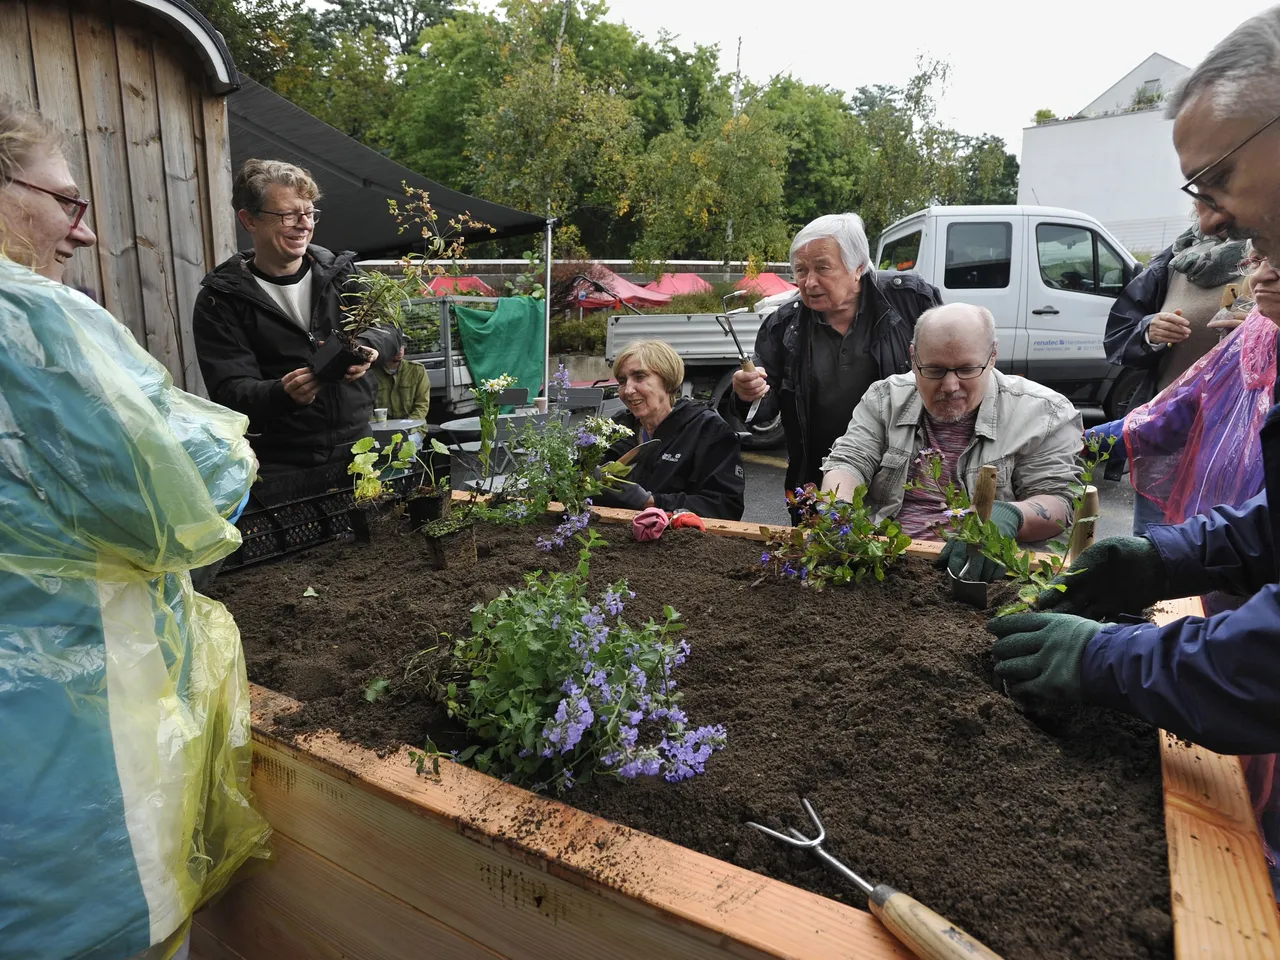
148 145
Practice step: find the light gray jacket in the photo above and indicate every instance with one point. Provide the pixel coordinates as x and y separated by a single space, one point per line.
1030 433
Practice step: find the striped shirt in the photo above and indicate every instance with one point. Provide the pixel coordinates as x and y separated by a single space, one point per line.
921 512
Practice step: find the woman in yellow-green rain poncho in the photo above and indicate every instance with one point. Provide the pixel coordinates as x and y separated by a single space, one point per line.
124 709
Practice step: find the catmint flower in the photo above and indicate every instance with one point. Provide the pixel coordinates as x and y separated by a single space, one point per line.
593 619
634 716
567 782
844 531
764 559
676 715
613 602
555 622
628 735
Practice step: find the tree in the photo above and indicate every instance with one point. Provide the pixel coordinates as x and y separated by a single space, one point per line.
398 23
346 86
1043 115
262 36
567 143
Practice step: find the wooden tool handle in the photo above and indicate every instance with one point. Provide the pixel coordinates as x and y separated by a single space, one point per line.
747 365
985 494
925 933
1082 534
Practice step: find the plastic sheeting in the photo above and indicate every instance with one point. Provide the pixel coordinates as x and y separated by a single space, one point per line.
124 706
1196 444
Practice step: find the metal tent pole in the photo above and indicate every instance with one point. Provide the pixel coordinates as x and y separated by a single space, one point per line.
546 299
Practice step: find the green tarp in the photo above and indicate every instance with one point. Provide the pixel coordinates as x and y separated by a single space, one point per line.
511 339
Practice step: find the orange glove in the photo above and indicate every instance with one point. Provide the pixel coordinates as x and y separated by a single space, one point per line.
683 518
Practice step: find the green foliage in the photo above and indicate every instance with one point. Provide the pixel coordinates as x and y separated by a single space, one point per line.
397 23
1043 115
572 334
836 541
376 688
559 688
371 298
1032 573
370 467
347 85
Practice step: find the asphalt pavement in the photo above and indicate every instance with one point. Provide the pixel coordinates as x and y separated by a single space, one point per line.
766 470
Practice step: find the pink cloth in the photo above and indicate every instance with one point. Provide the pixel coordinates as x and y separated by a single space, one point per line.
921 515
649 523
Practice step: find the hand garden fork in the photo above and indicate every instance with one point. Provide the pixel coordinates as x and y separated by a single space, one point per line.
927 934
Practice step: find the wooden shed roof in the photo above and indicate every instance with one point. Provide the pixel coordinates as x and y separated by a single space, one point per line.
203 37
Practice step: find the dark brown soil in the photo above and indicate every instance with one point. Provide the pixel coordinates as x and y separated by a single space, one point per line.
1043 834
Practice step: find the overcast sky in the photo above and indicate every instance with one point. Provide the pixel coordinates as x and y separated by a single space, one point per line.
1007 59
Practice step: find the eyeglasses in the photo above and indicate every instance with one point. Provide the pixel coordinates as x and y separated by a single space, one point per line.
74 207
1250 265
1196 193
293 219
963 373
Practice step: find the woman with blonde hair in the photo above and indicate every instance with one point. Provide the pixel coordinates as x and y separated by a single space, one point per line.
124 803
696 463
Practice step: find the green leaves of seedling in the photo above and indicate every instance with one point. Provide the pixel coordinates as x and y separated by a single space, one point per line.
376 688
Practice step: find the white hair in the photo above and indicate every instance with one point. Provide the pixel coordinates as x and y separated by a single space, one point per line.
988 320
846 230
1241 75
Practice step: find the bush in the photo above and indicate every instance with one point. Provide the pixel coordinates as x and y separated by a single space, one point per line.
573 335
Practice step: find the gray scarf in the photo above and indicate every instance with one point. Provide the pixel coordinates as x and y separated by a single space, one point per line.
1206 261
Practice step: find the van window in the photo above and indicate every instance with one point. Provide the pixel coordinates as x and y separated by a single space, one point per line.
1076 258
978 256
901 253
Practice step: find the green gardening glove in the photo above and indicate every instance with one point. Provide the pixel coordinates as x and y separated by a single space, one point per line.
1116 575
1008 519
1038 655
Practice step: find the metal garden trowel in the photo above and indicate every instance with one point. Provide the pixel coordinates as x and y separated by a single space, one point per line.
726 324
974 592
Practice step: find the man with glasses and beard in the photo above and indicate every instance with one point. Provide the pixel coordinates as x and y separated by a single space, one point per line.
261 315
956 406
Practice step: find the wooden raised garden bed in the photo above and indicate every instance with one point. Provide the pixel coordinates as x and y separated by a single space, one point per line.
376 861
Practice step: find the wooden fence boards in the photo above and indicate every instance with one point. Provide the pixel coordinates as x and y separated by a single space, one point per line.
17 73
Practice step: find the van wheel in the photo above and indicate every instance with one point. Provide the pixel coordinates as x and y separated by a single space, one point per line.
1121 395
760 435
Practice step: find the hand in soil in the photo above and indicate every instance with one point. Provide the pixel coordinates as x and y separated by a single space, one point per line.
1039 654
356 371
301 385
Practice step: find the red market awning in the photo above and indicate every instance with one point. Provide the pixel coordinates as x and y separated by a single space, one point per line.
623 291
766 284
675 284
441 286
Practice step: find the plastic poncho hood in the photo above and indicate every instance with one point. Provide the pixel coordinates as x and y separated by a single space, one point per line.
124 704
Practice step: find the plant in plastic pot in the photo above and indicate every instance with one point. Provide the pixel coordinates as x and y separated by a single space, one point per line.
371 299
431 500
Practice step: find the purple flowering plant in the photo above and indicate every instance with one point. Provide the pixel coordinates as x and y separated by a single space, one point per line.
558 687
836 541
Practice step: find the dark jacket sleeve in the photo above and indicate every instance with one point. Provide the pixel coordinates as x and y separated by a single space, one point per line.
1126 336
1215 682
721 482
229 365
1227 549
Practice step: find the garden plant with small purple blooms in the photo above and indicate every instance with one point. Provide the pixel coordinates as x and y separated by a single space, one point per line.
835 541
559 687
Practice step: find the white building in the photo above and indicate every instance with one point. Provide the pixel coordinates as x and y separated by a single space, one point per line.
1114 161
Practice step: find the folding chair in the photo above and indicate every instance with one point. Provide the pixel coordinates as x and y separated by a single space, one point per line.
502 458
579 398
517 397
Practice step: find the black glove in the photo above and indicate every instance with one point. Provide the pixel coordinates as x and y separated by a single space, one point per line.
954 556
1115 575
628 496
1039 654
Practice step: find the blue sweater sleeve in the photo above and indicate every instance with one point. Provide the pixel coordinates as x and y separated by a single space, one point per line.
1228 549
1215 682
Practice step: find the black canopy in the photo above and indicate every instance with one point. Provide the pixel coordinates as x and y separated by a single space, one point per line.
356 182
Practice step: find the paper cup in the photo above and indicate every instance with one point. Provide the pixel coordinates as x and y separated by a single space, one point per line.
379 414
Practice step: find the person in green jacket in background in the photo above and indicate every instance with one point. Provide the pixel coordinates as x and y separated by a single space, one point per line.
403 388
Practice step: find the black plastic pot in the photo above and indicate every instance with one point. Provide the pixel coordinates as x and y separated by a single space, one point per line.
423 509
332 359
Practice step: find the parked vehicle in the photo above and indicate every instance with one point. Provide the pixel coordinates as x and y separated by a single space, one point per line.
1048 275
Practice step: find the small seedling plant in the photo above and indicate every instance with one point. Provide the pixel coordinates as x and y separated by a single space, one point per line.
370 466
836 541
959 521
558 687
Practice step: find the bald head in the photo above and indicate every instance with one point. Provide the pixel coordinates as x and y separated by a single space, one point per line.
951 351
955 321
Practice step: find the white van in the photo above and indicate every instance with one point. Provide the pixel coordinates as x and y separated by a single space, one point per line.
1048 275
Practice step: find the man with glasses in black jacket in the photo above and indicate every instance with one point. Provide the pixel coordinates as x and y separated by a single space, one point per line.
261 315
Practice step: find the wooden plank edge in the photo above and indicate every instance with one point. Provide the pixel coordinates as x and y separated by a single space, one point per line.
1221 896
736 905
